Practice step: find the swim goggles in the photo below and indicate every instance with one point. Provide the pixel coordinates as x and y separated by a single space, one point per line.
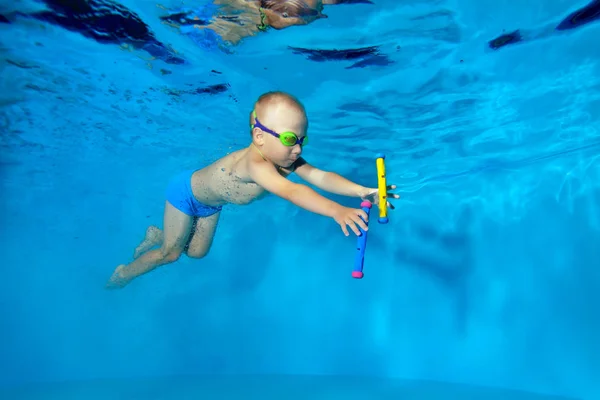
286 138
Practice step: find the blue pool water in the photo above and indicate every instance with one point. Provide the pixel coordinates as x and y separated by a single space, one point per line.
484 285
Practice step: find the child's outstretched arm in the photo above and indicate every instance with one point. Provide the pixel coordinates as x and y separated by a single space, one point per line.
335 183
265 175
329 181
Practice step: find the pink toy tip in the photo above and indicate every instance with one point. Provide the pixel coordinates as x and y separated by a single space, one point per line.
357 274
366 203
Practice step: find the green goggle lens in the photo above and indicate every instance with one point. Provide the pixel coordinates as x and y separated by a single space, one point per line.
290 139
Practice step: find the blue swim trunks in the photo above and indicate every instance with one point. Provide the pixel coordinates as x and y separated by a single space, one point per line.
179 194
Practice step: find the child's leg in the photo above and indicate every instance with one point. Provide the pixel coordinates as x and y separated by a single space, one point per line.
199 243
154 237
177 227
202 237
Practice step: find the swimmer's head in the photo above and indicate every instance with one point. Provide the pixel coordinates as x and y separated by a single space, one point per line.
278 112
281 14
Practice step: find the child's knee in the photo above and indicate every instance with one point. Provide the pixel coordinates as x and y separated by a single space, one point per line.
197 253
170 255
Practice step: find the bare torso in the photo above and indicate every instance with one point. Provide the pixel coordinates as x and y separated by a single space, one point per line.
227 181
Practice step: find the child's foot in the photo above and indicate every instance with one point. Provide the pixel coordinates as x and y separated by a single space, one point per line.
153 238
117 281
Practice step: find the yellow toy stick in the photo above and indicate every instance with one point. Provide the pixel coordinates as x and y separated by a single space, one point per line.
382 185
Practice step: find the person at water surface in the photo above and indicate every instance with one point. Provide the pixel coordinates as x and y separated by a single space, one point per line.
235 20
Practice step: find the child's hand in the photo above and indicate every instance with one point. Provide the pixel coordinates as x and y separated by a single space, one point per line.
372 194
351 217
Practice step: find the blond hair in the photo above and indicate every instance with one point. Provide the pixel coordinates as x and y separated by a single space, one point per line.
272 98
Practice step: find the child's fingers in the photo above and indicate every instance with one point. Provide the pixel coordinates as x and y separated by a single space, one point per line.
363 215
344 229
360 222
354 228
351 222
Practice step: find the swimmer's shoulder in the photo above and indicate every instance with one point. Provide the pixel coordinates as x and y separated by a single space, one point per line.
234 164
221 164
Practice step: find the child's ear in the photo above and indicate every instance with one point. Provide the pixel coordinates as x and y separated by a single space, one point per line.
258 136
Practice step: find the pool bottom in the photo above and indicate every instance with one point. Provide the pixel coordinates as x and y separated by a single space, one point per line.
262 387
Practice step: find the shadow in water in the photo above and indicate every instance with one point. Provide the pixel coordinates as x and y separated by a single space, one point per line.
583 16
447 259
104 21
361 57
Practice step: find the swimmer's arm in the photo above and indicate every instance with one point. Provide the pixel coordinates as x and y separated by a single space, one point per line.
329 181
266 175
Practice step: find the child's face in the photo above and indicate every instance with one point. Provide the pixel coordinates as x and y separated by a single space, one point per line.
282 118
